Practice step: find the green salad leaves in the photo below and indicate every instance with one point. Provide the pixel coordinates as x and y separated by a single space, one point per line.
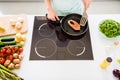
110 28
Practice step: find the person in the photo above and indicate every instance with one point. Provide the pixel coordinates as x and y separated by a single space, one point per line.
57 8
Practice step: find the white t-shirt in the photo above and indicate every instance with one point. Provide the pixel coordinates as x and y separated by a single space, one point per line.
64 7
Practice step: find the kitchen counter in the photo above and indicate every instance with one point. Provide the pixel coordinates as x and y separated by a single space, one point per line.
74 69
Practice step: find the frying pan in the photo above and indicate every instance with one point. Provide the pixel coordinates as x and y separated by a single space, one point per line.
68 30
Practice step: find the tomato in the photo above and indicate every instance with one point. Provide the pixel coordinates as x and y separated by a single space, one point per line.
9 57
1 54
8 51
3 50
2 60
11 47
15 49
20 50
6 47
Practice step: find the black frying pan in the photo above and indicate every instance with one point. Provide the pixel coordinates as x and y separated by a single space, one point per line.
68 30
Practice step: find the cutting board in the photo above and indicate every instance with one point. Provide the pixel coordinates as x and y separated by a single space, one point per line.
10 30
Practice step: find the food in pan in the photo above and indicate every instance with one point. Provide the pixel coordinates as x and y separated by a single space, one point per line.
74 25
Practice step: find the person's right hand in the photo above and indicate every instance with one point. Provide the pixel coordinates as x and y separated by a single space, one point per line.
52 15
87 3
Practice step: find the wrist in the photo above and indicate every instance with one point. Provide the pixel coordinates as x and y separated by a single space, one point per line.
50 10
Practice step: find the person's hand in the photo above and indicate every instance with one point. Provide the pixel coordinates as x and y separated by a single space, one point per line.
87 3
52 15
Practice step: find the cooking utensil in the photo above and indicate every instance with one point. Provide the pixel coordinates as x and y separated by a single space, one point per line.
65 27
83 19
68 30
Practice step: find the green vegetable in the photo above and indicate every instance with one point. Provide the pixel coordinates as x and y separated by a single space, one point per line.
6 69
6 74
118 61
7 39
110 28
18 45
2 77
1 43
9 43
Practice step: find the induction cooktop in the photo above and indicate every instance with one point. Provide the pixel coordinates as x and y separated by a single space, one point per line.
49 43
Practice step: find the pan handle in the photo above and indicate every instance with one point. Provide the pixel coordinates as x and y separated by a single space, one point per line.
56 23
59 34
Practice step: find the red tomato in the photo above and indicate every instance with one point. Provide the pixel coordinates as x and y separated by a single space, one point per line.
20 50
6 47
1 54
2 60
8 51
15 49
11 47
9 57
3 50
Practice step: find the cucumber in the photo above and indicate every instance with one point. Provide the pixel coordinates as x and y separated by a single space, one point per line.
9 43
4 39
1 43
18 45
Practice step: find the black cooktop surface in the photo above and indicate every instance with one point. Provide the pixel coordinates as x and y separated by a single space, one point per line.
49 43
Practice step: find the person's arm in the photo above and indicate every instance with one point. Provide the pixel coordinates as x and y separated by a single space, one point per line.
51 13
87 3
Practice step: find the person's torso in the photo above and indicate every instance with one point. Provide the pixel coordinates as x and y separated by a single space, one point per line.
66 5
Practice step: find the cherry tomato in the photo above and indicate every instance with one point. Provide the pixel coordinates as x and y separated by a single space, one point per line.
6 47
20 50
11 47
15 49
9 57
1 54
8 51
2 60
3 50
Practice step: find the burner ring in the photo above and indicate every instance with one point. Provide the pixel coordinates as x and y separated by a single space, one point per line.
76 48
45 48
46 30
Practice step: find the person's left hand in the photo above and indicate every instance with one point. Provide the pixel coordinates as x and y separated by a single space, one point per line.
87 3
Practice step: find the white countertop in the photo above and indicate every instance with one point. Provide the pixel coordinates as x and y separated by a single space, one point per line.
77 69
